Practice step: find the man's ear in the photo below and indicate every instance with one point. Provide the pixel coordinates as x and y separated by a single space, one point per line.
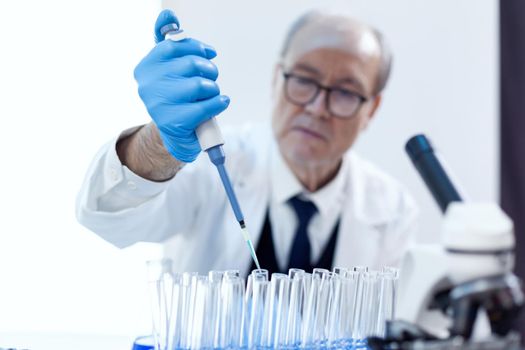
371 114
375 105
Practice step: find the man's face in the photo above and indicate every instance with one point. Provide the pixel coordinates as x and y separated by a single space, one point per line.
310 134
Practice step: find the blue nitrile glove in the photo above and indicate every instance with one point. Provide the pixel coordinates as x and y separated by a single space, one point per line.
176 82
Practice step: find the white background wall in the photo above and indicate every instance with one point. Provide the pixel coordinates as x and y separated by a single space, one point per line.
66 87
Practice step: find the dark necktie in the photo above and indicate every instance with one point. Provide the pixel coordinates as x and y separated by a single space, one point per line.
300 253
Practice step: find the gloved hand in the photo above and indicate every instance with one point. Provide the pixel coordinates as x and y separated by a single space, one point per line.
176 82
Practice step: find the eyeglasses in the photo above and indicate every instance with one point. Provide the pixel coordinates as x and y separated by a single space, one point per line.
342 103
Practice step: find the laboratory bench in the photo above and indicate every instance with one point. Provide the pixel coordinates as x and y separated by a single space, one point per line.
63 341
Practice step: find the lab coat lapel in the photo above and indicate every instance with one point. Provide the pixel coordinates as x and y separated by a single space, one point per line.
357 242
359 239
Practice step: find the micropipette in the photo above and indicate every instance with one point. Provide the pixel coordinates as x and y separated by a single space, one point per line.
210 140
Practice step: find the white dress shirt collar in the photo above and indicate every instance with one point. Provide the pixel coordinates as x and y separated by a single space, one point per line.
285 185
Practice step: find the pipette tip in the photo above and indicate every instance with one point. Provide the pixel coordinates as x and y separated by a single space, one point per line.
246 236
254 256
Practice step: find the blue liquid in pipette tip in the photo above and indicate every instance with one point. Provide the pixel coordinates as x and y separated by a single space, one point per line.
250 246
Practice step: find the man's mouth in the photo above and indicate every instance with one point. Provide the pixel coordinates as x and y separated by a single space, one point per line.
309 132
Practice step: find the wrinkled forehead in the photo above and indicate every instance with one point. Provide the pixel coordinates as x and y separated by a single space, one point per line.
334 32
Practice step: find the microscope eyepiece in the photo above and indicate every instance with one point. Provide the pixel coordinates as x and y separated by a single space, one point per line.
422 154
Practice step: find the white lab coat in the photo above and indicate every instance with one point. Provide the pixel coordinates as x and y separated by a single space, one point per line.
192 216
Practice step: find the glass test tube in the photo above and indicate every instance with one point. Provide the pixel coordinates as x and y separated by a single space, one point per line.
174 319
357 333
213 305
160 284
199 327
275 313
295 309
258 299
386 302
314 311
231 312
188 291
370 303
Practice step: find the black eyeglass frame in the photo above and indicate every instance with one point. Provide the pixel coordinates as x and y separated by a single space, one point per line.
320 87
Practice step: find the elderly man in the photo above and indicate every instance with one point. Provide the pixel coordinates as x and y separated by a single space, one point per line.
309 201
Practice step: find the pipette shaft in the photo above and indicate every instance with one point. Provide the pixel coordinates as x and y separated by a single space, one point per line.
217 157
210 140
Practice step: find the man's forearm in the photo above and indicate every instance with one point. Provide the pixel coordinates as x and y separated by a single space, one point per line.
143 153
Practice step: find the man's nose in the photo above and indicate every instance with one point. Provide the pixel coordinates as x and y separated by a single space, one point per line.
319 107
